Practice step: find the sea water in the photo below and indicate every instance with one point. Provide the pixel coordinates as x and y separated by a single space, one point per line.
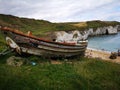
105 42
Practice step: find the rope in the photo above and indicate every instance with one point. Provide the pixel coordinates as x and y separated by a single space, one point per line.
6 51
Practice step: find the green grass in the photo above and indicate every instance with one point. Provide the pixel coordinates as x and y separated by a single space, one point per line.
38 27
99 75
97 23
81 74
2 43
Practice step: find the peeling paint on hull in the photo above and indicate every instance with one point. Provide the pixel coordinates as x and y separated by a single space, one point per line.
32 45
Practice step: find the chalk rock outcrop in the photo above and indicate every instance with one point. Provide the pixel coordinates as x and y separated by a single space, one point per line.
62 36
118 27
103 30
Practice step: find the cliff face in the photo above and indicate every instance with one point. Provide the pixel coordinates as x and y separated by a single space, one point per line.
75 35
118 27
103 30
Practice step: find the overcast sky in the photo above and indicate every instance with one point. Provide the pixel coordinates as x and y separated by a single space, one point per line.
63 10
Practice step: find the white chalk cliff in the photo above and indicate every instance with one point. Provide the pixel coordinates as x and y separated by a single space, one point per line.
62 36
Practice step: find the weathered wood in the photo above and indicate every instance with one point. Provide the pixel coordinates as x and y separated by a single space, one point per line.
24 43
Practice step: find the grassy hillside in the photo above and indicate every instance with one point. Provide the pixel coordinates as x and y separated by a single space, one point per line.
41 27
96 23
38 27
80 74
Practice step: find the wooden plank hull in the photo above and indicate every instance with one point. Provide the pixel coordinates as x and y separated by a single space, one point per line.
31 45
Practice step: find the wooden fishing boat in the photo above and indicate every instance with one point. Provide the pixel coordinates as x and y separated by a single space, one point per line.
27 43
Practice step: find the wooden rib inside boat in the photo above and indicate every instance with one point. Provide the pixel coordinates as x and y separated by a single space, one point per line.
27 43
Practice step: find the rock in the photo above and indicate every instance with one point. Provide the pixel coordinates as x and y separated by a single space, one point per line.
62 36
118 27
112 30
118 52
113 55
104 30
14 61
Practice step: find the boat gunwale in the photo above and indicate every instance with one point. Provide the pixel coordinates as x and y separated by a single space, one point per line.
36 38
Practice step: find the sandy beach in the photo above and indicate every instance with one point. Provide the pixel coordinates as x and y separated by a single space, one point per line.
101 54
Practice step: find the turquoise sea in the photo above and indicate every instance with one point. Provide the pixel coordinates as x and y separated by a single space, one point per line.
105 42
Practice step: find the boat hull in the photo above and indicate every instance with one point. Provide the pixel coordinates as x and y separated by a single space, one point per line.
30 45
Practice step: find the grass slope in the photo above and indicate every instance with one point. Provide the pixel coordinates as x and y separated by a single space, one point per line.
40 27
81 74
95 24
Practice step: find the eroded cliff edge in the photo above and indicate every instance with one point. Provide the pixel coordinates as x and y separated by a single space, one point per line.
74 35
